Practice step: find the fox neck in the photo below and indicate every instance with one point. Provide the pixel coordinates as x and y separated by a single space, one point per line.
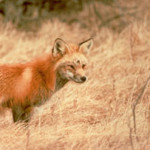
60 82
50 76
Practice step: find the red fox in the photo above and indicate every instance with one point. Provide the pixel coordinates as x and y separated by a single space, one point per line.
23 86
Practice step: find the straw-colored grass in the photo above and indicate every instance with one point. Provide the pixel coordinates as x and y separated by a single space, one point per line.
90 116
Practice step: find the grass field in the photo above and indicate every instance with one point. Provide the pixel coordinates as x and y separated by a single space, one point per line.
100 114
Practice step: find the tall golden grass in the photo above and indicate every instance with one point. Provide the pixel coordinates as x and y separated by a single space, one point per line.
91 116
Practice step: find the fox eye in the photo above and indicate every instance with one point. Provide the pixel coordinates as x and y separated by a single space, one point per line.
71 66
78 61
83 66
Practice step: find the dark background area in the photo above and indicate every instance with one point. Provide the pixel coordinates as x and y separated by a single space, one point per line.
115 14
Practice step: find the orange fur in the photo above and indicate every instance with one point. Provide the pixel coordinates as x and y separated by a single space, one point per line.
23 86
14 80
27 84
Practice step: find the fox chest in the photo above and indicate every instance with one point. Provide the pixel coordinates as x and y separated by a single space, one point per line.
41 97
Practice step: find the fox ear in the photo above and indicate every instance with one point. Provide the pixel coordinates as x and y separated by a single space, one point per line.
86 46
60 47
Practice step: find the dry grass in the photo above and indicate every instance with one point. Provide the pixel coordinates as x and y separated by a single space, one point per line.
94 115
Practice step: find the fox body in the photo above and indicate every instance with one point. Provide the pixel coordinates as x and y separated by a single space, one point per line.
23 86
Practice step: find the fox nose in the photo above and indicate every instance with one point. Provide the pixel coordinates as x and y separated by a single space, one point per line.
83 78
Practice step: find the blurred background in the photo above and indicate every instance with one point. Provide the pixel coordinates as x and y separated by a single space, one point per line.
90 14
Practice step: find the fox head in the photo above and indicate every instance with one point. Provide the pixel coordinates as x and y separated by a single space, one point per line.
72 59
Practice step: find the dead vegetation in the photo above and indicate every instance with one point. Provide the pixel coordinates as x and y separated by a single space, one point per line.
110 111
